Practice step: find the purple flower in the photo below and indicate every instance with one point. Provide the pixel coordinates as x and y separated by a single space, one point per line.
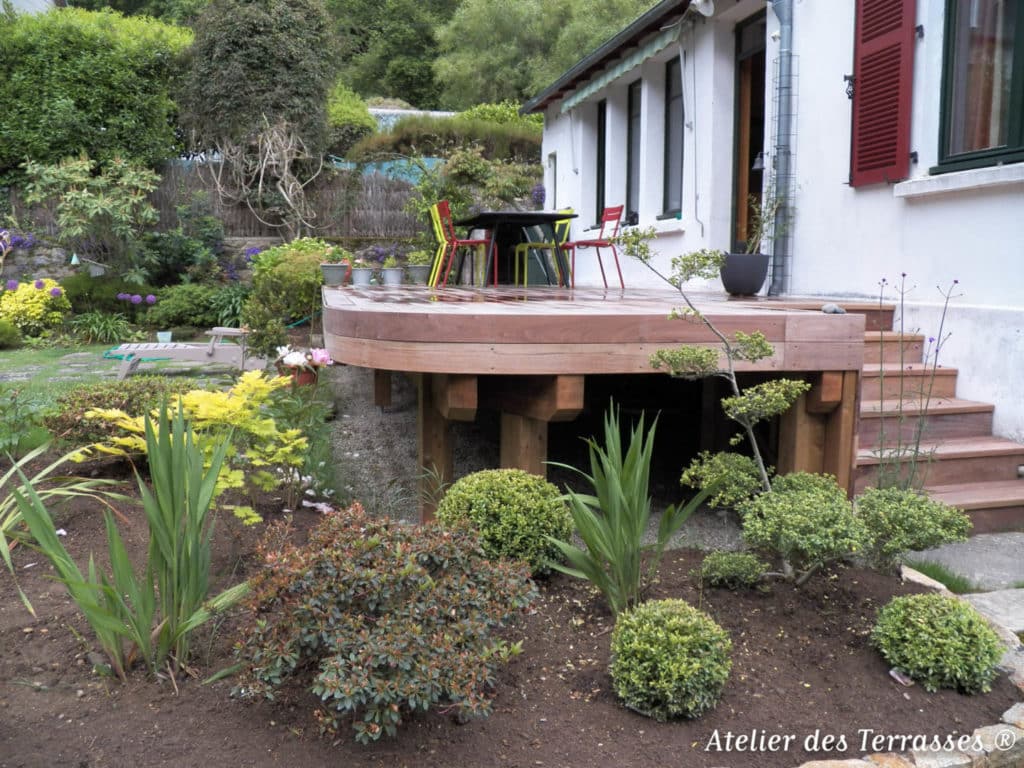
136 299
538 194
39 284
150 298
12 285
252 253
56 292
122 297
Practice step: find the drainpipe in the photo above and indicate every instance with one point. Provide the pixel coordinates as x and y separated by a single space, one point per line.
782 243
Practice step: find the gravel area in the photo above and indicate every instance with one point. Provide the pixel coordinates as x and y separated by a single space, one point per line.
376 453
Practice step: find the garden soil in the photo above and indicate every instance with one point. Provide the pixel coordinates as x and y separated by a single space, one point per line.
805 682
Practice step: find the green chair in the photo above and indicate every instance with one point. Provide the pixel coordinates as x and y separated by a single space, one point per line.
537 250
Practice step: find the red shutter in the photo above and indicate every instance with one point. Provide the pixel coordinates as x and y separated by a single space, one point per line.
883 68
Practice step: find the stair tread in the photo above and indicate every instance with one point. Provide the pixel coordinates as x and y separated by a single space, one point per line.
891 335
997 493
873 409
955 447
911 369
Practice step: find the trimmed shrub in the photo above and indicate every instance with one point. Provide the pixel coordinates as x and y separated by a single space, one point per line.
806 520
185 304
940 641
440 136
898 520
379 619
10 336
35 307
74 80
285 287
136 396
503 113
734 476
669 660
732 570
515 513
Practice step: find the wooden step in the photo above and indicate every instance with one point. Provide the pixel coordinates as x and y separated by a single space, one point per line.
877 317
885 346
883 381
956 460
883 421
993 506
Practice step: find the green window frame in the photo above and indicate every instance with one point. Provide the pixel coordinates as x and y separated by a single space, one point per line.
672 202
995 105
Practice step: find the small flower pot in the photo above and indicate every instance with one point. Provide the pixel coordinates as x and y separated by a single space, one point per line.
301 377
361 275
335 274
418 273
393 275
163 337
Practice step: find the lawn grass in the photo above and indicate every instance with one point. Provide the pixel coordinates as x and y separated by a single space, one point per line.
50 376
954 582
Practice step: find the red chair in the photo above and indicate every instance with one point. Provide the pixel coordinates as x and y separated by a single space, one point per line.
610 220
444 213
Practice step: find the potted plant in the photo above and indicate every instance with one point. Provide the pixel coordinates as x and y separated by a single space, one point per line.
362 272
418 264
744 273
303 366
393 274
336 266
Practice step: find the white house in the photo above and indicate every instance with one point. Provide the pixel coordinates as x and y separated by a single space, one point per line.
894 127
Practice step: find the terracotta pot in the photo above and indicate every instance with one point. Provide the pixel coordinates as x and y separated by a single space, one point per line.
301 377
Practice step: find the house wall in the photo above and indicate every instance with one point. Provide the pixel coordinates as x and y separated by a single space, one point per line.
967 226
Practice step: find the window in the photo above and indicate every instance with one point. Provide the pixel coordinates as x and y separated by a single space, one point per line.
552 191
633 155
602 140
673 195
983 84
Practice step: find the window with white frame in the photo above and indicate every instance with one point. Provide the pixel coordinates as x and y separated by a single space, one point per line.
633 136
673 182
602 155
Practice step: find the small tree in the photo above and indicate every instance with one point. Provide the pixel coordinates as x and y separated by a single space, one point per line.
747 406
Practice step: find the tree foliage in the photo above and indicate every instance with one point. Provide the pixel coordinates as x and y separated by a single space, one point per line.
171 11
74 81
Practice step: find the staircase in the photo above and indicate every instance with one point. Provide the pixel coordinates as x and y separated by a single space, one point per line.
969 467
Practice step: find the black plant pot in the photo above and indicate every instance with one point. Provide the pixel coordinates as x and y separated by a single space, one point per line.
743 274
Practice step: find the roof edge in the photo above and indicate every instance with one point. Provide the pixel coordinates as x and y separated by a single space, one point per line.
604 52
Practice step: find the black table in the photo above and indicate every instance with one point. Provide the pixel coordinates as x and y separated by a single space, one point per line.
507 227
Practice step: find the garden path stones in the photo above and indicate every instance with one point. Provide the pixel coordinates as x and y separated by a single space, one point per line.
1004 606
988 560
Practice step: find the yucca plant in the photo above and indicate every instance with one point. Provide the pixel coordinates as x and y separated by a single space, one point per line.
172 590
613 520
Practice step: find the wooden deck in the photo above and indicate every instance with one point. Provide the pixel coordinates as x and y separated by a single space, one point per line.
527 351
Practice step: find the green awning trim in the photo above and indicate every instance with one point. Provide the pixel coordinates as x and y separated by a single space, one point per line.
652 47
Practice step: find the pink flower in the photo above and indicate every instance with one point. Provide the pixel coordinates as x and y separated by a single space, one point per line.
320 357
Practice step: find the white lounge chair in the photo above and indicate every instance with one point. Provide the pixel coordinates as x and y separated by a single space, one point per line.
217 351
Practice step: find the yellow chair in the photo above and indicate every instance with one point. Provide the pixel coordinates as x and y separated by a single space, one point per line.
524 250
442 246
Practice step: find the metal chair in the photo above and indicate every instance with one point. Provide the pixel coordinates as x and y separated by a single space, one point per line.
610 220
525 250
454 243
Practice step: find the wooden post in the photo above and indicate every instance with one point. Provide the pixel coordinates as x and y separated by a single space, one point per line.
524 443
841 433
435 449
381 388
801 439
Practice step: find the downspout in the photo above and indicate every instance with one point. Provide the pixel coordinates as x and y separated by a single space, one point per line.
782 243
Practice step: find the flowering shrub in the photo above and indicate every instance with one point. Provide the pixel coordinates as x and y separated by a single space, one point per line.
34 307
379 619
311 359
732 570
259 446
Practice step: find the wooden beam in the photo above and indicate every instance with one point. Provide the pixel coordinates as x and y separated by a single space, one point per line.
545 398
434 448
455 396
524 443
381 388
801 440
826 393
840 448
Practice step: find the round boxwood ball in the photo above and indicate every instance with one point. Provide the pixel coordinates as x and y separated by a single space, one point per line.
938 640
669 660
513 511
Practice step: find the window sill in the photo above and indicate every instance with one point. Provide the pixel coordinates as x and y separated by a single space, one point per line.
661 226
961 181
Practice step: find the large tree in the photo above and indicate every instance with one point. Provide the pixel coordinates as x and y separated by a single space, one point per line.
256 93
74 81
387 48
